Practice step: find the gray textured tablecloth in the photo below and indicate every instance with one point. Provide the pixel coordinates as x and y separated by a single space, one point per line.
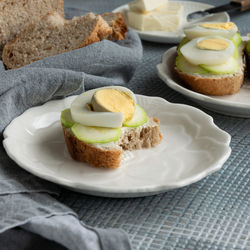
27 201
213 213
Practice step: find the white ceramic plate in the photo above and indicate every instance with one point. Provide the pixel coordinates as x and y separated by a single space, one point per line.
233 105
192 148
175 37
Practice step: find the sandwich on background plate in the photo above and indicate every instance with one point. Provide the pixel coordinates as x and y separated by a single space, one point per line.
210 58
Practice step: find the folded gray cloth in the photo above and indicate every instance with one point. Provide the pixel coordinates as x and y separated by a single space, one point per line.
26 200
96 65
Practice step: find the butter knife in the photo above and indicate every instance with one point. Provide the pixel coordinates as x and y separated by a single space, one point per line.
233 6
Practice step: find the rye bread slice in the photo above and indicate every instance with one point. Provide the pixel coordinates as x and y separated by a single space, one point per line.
109 156
212 85
118 24
54 35
16 15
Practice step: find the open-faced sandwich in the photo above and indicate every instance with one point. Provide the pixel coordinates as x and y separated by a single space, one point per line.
103 122
210 58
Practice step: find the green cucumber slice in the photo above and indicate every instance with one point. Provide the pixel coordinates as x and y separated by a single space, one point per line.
96 134
229 67
66 118
182 42
236 39
140 117
184 66
236 53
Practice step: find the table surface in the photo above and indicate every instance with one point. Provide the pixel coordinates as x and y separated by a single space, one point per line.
211 214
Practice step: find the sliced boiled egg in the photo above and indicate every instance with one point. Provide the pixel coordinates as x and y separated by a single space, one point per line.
114 100
111 106
209 50
227 30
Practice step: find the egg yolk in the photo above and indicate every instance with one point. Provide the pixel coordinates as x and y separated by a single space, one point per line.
212 44
220 26
114 100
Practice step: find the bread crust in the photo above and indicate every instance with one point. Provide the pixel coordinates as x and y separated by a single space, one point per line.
101 31
149 136
85 152
217 86
118 25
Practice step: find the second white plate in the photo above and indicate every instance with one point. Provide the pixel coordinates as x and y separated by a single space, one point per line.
175 37
192 148
233 105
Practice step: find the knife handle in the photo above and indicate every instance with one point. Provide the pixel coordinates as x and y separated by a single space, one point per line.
245 4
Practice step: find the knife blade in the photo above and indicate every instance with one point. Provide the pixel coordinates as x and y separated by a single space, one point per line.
233 7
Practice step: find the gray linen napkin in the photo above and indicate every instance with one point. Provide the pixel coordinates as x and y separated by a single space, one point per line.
26 200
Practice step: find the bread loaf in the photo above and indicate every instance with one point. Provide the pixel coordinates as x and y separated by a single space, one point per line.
53 35
108 155
16 15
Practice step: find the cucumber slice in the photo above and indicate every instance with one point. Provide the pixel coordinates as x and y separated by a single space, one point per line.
229 67
236 53
184 66
96 134
66 118
236 39
182 42
140 117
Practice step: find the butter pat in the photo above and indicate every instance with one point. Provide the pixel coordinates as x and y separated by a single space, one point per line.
167 17
145 5
114 100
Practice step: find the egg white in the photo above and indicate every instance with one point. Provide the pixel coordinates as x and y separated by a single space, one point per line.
198 56
196 30
81 114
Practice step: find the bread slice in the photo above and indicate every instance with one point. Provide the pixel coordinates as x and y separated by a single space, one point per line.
213 85
118 24
16 15
53 35
108 155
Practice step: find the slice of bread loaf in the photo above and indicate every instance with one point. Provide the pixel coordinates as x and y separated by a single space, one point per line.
16 15
213 84
118 24
53 35
108 155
